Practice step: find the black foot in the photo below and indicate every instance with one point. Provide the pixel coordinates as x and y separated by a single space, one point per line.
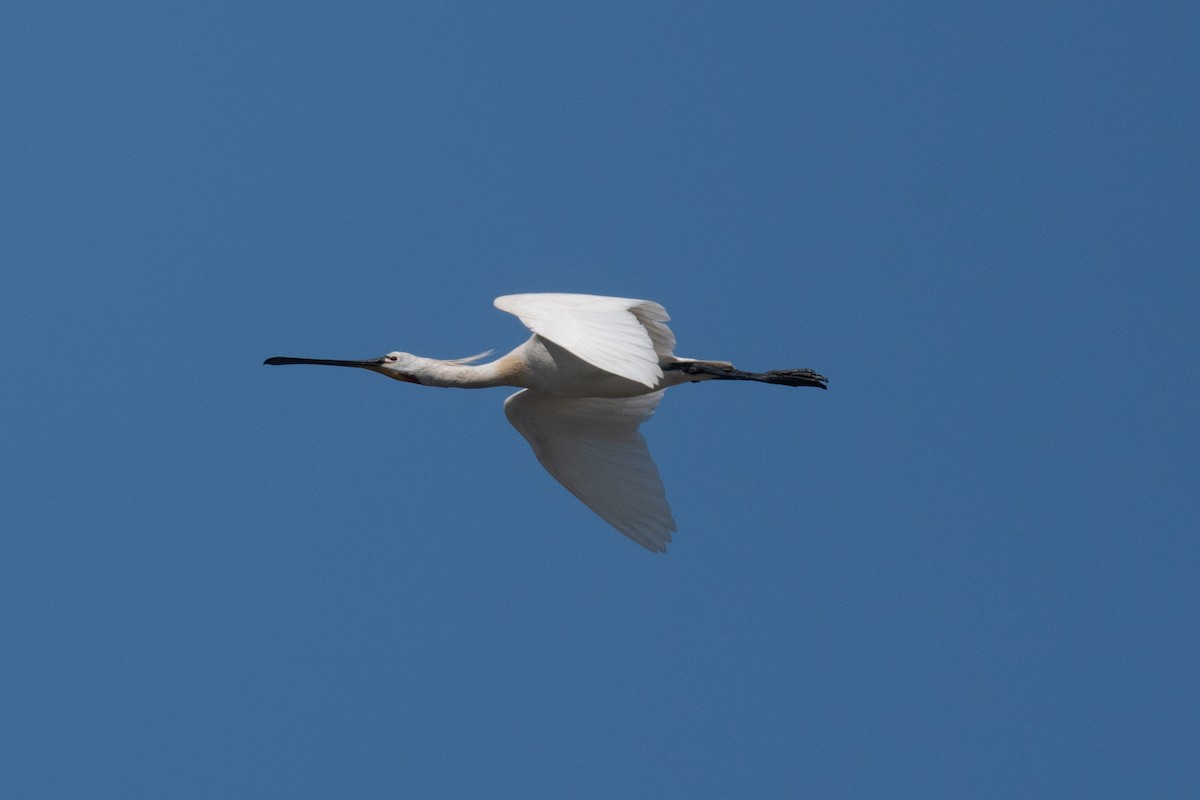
795 377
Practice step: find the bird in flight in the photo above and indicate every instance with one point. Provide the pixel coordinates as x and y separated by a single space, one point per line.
593 371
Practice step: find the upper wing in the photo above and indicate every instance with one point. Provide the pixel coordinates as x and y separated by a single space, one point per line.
617 334
591 445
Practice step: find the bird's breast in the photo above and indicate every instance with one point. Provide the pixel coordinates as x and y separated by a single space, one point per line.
552 369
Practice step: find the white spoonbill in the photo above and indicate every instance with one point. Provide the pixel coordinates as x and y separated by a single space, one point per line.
593 371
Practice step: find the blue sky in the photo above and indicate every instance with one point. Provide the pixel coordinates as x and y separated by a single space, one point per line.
969 569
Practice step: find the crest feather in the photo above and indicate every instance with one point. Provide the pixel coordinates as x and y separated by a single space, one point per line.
470 359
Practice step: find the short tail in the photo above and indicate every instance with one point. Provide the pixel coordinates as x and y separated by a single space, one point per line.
726 372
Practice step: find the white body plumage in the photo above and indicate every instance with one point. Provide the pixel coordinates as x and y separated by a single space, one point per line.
591 374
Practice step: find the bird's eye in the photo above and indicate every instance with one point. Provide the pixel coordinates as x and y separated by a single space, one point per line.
392 358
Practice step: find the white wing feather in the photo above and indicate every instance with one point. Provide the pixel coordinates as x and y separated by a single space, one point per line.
617 334
591 446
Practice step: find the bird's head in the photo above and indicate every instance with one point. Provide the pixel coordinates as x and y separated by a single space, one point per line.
398 365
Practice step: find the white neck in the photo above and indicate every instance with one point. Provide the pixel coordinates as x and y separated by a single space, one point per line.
431 372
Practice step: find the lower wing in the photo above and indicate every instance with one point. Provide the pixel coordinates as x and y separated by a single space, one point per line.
591 445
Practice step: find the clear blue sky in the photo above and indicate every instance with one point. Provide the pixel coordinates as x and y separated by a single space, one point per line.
969 569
